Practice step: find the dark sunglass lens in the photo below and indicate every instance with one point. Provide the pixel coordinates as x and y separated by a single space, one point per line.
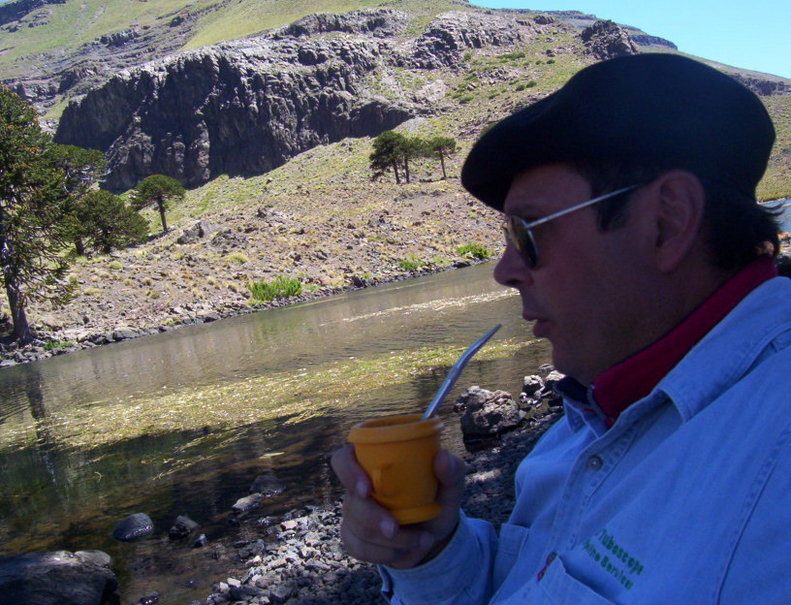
522 240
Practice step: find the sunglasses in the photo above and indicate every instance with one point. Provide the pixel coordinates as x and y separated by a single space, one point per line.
520 232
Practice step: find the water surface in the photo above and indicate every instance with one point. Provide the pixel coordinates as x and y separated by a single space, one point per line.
183 422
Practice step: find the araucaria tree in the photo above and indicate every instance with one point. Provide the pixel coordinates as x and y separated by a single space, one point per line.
442 147
82 168
158 190
32 195
109 222
387 154
393 151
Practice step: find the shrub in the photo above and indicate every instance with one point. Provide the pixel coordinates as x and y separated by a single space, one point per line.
57 344
474 250
411 263
464 99
237 258
115 265
280 287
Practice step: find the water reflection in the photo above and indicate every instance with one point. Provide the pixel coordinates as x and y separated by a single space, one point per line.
71 498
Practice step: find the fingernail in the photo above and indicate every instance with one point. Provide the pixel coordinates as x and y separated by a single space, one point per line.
388 528
361 488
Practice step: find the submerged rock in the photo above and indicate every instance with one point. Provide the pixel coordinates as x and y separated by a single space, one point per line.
134 527
267 485
182 527
62 577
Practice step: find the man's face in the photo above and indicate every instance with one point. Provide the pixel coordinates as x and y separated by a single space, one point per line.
585 294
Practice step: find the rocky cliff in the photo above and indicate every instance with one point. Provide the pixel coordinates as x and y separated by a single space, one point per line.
247 106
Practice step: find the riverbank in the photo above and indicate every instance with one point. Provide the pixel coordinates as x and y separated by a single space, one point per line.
298 559
50 343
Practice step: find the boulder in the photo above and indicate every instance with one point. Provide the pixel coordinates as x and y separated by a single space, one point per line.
62 577
607 40
134 527
194 232
247 503
488 413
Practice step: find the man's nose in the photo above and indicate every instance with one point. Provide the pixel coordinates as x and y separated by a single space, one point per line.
511 269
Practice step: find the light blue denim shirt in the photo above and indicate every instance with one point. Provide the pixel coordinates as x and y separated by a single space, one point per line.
686 499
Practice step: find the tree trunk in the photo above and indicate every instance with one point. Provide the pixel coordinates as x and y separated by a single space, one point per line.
442 163
79 246
22 332
395 171
406 169
161 205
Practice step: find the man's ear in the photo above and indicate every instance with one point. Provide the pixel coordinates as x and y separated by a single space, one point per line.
679 204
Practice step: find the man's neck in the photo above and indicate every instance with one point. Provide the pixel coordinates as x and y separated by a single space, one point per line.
634 377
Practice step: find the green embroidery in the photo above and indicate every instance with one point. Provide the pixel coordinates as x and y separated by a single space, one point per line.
614 559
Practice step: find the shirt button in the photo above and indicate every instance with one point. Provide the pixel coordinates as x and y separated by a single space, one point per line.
595 463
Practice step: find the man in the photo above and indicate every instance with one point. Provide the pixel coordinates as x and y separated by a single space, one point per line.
638 250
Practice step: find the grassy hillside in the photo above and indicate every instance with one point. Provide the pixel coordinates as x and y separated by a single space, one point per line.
61 29
66 27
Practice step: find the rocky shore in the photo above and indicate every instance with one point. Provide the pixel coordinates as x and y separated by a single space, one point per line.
47 345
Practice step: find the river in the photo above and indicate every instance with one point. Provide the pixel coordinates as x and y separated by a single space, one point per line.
183 422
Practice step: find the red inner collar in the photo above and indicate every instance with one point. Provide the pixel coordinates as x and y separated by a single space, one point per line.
624 383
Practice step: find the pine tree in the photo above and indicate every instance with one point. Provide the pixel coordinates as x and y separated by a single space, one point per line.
109 222
32 196
82 168
158 190
442 147
387 154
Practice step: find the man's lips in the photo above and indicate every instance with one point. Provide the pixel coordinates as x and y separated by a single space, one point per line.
540 324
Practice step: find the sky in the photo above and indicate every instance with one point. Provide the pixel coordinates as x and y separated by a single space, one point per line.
751 34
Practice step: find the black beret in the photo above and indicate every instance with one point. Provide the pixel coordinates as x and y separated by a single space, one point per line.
665 109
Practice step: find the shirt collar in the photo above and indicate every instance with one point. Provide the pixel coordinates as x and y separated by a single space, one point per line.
618 387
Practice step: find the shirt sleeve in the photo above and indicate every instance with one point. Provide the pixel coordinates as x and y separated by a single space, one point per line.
460 575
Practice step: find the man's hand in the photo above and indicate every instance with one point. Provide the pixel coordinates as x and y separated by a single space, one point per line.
370 533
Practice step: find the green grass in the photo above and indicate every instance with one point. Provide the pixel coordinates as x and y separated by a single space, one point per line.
282 286
412 263
57 344
237 258
474 250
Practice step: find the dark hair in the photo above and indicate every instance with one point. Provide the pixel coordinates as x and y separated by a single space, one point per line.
738 230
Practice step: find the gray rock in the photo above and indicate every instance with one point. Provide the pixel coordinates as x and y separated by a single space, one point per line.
489 413
551 380
532 386
134 527
194 232
65 578
247 503
124 333
607 40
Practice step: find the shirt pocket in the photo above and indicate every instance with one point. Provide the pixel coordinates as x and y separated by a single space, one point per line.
510 542
560 588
